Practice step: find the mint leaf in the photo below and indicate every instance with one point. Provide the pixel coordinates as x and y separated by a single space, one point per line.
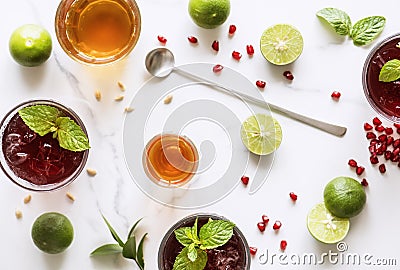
192 252
107 249
215 233
195 234
182 261
184 236
390 71
70 135
40 118
113 233
129 249
366 30
336 18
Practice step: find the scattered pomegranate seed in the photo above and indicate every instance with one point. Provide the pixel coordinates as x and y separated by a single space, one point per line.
283 245
253 250
370 135
192 39
364 182
396 143
396 125
374 159
373 142
162 39
232 29
380 128
288 75
250 49
277 225
245 180
382 138
367 127
389 131
265 219
389 140
218 68
236 55
261 226
382 168
360 170
396 151
398 131
352 163
293 196
336 95
376 121
215 45
261 84
387 155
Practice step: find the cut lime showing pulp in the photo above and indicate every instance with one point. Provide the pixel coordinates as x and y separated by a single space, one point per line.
326 227
261 134
281 44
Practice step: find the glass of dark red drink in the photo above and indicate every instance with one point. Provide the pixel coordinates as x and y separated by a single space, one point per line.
235 254
384 97
37 162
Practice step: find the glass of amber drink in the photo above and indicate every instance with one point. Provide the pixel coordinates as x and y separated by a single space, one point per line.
170 160
97 31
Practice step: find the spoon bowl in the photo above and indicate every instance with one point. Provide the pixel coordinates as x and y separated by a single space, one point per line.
160 62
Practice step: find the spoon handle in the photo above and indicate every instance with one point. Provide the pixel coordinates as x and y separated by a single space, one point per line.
327 127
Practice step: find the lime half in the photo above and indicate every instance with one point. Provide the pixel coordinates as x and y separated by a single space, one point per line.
261 134
325 227
281 44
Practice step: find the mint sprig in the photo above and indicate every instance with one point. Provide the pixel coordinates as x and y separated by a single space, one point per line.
44 119
128 249
390 71
362 32
213 234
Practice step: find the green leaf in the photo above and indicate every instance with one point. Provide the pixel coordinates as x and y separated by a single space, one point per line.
390 71
184 236
194 232
215 233
40 118
366 30
139 254
133 228
70 135
182 261
114 233
192 252
129 249
107 249
336 18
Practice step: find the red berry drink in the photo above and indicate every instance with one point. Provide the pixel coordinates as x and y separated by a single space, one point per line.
38 162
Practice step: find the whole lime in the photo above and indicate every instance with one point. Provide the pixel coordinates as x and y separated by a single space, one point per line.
209 13
30 45
344 197
52 232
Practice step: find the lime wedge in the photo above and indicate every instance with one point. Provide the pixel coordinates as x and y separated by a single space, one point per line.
261 134
281 44
325 227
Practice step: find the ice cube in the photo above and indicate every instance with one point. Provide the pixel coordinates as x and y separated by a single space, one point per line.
47 167
13 139
15 155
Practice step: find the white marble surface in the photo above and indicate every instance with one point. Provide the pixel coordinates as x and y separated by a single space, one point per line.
305 162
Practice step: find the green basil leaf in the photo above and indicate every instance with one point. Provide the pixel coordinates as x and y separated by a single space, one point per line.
40 118
129 249
182 261
215 233
192 252
107 249
130 234
366 30
184 236
390 71
114 233
139 254
336 18
70 135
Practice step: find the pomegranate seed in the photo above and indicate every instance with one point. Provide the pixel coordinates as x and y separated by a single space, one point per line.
382 168
373 142
277 225
360 170
283 245
370 135
215 45
396 125
389 140
261 226
395 158
265 219
381 149
192 39
261 84
398 131
364 182
396 151
387 155
380 128
162 39
336 95
232 29
253 250
218 68
250 49
382 138
374 159
288 75
372 149
396 143
293 196
245 180
389 131
236 55
367 127
352 163
376 121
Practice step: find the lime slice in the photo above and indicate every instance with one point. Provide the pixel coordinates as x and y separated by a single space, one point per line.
261 134
281 44
325 227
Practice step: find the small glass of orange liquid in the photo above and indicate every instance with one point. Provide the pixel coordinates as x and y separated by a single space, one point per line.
170 160
97 31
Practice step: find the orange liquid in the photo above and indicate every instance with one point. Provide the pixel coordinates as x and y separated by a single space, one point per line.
171 159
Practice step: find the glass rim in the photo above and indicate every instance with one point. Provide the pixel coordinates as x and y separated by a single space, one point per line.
191 217
22 182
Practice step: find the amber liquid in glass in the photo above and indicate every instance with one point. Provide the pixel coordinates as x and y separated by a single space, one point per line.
171 159
100 28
